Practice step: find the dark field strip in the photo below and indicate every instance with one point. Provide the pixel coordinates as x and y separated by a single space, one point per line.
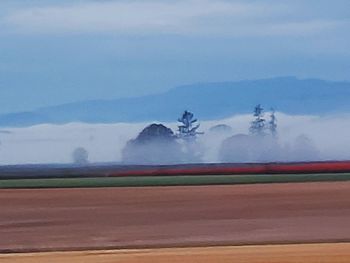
178 180
213 169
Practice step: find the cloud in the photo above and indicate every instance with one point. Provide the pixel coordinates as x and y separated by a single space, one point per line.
120 16
185 17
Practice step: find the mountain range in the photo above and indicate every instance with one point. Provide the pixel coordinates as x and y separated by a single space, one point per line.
207 100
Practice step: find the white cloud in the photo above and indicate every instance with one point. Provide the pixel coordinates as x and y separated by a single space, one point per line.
206 17
123 16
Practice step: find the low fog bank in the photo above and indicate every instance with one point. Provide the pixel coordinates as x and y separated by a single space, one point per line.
299 138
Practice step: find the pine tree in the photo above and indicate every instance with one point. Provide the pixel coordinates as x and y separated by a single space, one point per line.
188 128
273 123
187 131
257 126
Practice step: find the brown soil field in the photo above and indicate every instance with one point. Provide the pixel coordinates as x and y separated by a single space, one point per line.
142 217
310 253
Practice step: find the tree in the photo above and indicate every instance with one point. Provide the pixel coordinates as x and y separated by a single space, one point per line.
250 148
155 144
221 128
273 123
304 149
238 148
155 132
80 156
188 128
257 126
187 131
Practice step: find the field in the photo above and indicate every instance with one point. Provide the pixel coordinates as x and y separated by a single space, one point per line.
175 218
182 180
114 170
310 253
55 176
134 217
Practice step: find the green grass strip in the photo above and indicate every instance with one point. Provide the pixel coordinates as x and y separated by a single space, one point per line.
169 180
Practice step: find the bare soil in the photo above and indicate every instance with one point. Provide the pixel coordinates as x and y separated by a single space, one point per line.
310 253
101 218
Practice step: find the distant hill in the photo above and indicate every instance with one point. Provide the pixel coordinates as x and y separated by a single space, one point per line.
206 100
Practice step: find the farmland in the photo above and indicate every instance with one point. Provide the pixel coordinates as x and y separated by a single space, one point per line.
133 217
179 180
155 214
171 175
310 253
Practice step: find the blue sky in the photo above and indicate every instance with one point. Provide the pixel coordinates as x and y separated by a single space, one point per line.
53 52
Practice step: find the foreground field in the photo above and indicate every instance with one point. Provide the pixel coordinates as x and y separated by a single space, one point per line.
134 217
310 253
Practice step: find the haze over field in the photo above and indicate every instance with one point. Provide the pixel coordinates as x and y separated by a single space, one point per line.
104 142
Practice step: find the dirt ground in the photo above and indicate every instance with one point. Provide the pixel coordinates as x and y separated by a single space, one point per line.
72 219
311 253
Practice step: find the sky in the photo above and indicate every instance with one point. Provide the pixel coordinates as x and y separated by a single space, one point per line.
54 52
